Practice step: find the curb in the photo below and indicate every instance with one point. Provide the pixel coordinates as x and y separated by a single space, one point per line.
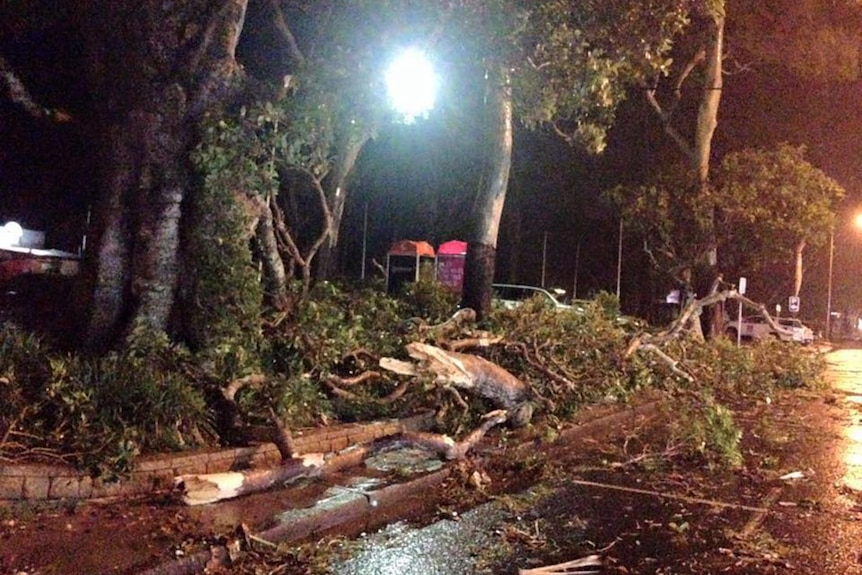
381 503
41 482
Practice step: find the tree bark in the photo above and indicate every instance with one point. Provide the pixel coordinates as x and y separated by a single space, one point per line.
707 120
167 63
797 269
482 247
699 152
20 95
273 266
348 147
211 487
471 373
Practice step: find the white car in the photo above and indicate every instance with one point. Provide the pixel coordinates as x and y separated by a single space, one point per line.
756 327
511 296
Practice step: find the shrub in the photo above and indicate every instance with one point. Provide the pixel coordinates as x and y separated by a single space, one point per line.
98 414
706 429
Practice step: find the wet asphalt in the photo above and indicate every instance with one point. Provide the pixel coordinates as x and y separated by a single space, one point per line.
795 506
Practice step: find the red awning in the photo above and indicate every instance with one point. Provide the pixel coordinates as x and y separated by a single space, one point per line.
411 248
452 248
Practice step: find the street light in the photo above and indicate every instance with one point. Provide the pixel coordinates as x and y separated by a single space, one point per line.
411 84
10 234
857 221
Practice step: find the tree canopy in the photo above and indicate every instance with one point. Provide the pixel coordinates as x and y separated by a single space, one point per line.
771 204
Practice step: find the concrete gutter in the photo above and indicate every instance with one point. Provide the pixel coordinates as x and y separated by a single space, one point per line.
380 505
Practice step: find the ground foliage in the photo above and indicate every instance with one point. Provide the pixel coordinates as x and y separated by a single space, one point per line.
100 413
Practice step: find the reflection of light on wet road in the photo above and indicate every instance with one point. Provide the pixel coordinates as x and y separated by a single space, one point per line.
853 458
846 375
442 548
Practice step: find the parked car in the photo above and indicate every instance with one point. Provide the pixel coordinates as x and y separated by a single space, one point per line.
756 327
511 296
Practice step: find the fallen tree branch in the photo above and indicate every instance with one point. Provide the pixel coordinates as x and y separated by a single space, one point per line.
470 373
671 362
694 308
448 447
588 564
282 437
332 383
355 380
231 389
521 348
445 330
673 496
199 489
483 340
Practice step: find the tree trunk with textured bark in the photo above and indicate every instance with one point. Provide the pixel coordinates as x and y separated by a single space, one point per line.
699 149
155 68
348 148
275 274
797 268
707 121
482 245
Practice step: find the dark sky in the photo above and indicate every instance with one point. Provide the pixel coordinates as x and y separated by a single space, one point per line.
417 181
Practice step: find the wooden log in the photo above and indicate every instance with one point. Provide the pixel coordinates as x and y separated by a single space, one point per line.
200 489
472 373
478 376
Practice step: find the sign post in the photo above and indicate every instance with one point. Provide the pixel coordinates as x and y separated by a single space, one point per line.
743 283
793 304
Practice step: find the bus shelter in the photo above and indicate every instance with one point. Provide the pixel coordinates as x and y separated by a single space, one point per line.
449 268
405 261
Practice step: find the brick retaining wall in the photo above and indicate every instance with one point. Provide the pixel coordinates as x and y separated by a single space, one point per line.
152 473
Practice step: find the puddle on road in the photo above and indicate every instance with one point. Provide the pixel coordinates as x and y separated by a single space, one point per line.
443 548
405 461
846 377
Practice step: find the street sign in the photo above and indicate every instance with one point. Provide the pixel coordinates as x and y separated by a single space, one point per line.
742 286
793 304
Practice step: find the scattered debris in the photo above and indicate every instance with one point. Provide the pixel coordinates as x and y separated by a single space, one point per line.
585 565
792 475
664 495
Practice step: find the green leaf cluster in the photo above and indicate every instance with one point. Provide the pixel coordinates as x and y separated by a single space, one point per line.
577 60
727 375
773 199
222 289
582 345
99 413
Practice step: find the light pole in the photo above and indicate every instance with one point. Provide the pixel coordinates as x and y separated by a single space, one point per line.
620 258
829 285
857 222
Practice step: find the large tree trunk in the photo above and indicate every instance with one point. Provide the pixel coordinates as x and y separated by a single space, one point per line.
156 67
707 120
348 147
797 269
482 248
699 151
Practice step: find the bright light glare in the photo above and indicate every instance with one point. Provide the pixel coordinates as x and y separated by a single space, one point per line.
10 234
411 84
